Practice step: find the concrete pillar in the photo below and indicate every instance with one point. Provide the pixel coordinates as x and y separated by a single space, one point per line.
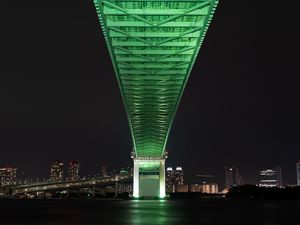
135 178
162 179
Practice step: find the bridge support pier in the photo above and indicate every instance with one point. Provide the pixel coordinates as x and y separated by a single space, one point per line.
149 177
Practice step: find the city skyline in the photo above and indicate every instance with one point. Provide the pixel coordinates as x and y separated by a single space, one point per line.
62 97
70 170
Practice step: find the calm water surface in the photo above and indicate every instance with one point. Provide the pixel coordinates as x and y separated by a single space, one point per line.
179 212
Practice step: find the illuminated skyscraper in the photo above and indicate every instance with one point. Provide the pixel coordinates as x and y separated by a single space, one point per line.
74 168
174 179
298 172
170 187
8 175
178 176
232 177
57 170
271 177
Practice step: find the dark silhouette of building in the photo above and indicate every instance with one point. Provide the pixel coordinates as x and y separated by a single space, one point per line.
232 177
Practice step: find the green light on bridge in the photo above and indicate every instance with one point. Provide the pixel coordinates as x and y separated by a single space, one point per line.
153 46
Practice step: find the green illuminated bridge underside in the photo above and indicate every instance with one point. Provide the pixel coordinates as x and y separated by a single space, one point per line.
153 46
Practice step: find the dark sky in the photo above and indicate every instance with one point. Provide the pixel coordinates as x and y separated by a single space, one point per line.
59 96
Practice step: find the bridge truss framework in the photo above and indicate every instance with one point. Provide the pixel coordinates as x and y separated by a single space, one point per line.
153 46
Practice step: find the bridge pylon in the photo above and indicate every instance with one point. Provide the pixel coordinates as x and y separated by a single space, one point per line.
149 177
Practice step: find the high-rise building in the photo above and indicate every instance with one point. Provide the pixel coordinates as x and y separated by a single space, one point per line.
298 172
170 188
8 175
57 170
74 168
270 177
232 177
178 176
174 179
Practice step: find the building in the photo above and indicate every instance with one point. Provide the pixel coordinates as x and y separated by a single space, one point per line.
57 171
209 188
232 177
182 188
298 172
196 188
103 172
178 177
174 180
170 188
74 168
8 176
270 177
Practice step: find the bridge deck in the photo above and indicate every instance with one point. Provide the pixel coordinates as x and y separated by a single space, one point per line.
153 46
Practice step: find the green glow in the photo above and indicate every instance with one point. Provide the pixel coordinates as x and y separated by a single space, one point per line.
162 196
149 166
153 46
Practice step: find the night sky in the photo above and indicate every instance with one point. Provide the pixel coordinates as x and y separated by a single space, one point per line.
60 99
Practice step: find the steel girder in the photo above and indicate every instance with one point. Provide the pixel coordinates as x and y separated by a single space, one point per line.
153 46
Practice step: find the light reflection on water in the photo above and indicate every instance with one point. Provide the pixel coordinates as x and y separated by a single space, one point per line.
151 212
210 212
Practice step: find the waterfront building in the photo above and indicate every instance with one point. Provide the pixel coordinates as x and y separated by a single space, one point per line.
170 188
195 188
74 168
8 175
57 170
270 177
178 177
174 179
182 188
209 188
232 177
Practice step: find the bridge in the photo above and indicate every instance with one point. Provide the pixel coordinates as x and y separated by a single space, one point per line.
116 184
153 45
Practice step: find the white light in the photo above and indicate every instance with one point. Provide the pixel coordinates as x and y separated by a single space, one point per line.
162 195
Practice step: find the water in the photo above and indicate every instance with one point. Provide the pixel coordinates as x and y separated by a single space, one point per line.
179 212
